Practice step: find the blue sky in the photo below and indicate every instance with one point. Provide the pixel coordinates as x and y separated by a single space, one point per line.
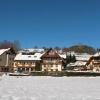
50 23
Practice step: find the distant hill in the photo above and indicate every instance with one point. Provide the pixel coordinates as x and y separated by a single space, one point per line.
81 49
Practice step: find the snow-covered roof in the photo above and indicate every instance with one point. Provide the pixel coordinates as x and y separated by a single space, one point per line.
71 64
80 63
3 50
83 57
97 54
32 50
36 56
79 56
62 56
77 63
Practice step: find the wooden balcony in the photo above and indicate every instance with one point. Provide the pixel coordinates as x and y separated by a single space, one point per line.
25 65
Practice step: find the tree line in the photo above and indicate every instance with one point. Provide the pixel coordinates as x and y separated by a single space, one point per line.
76 48
10 44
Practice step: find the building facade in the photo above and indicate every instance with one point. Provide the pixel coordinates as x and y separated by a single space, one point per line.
94 64
27 62
51 61
6 59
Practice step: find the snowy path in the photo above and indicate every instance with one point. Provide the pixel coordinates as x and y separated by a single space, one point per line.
49 88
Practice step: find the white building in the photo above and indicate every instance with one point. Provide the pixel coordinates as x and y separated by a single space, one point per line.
27 62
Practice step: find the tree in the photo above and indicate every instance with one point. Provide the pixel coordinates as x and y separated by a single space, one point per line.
73 59
82 49
5 44
65 49
8 44
16 45
98 49
45 48
70 59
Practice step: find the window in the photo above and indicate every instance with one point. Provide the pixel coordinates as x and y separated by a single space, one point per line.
30 63
32 69
51 69
56 69
44 65
23 69
23 62
18 69
27 69
29 56
45 70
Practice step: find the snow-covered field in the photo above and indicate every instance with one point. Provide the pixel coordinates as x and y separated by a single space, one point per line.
49 88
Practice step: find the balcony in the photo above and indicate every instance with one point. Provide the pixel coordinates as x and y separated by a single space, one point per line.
51 61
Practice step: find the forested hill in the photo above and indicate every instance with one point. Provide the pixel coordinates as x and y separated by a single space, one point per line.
82 49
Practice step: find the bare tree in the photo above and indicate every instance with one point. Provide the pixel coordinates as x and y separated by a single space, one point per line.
8 44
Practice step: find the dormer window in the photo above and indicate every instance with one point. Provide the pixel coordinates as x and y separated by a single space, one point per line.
29 56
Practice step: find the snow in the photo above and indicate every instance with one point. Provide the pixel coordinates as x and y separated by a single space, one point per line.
77 63
83 57
3 50
32 50
97 54
49 88
80 63
71 64
79 57
62 56
36 56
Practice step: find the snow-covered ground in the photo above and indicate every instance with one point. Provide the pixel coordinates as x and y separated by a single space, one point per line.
49 88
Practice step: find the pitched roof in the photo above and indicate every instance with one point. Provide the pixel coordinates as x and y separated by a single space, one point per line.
51 53
62 56
32 50
97 54
83 57
77 63
80 63
34 57
91 58
3 50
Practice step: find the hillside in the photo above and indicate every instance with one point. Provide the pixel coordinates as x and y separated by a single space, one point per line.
81 49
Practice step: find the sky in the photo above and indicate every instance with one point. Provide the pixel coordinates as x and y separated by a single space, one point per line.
50 23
